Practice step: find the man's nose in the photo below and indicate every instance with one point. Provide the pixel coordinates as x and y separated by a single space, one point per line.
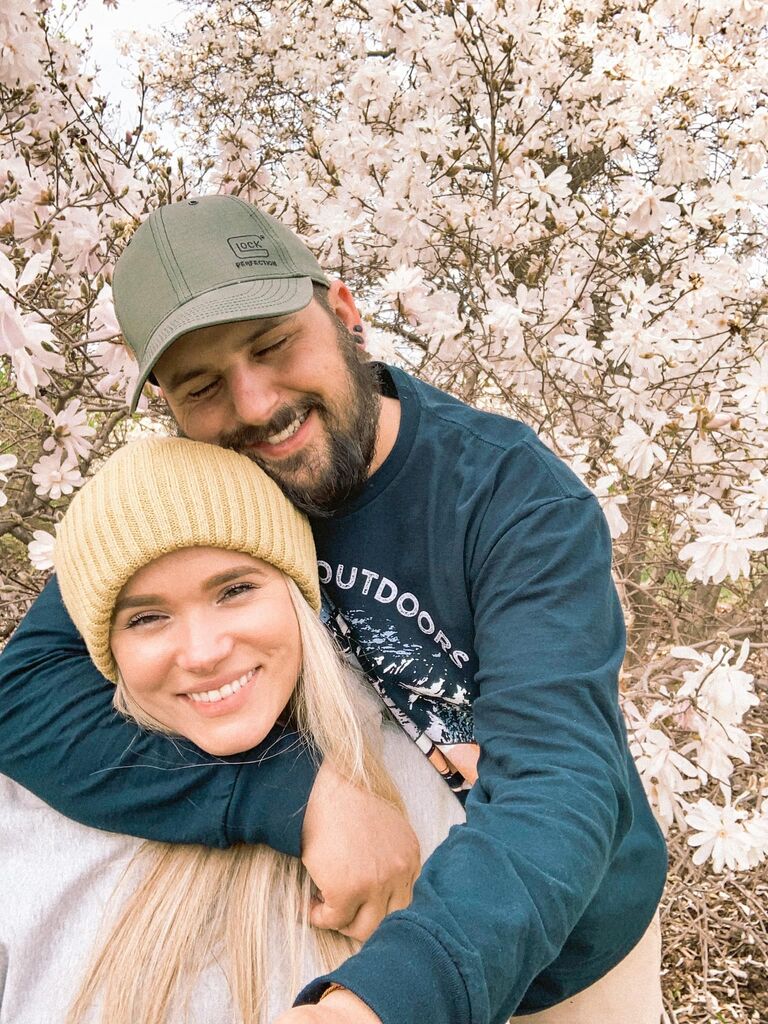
203 646
255 395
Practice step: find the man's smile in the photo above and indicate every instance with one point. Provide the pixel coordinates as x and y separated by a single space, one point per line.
288 441
289 431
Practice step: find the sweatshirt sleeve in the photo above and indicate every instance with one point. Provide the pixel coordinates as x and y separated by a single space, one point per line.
497 900
61 738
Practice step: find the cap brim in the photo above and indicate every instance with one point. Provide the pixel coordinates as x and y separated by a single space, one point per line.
249 300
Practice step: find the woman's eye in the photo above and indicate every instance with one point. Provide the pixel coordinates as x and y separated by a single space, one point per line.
237 589
143 619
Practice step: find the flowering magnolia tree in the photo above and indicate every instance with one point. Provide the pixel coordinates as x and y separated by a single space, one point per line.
71 190
64 185
556 210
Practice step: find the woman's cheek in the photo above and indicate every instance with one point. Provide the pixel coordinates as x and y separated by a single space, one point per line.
144 661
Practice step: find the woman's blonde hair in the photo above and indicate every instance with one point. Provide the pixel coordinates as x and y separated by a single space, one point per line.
239 907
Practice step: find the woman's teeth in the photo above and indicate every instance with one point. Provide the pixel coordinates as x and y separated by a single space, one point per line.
211 696
289 431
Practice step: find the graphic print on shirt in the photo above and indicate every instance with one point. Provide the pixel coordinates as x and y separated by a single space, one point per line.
416 671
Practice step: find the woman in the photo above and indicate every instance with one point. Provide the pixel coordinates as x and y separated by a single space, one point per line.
193 583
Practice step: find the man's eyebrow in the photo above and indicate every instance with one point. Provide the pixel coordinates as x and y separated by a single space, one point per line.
184 376
263 327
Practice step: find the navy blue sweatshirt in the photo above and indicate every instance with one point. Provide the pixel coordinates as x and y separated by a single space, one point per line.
474 573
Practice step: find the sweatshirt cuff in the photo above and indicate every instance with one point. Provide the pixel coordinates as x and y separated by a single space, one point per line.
404 974
267 806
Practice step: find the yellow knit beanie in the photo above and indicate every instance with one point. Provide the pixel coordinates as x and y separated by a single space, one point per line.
159 495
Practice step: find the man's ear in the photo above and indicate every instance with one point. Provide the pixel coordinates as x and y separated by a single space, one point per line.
342 302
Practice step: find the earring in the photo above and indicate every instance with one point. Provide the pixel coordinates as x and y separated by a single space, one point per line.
358 328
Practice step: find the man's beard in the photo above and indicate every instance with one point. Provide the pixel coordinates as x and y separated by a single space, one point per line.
341 469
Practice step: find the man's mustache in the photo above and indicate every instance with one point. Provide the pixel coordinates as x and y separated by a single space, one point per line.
248 435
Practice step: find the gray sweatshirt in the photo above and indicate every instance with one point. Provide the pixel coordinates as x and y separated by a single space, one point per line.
58 877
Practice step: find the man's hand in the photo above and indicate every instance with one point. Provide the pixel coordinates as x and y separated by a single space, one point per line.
360 852
340 1007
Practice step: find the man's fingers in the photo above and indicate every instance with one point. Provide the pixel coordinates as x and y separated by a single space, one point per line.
335 917
371 914
365 923
360 919
359 924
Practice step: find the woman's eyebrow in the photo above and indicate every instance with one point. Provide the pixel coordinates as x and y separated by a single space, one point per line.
136 601
235 573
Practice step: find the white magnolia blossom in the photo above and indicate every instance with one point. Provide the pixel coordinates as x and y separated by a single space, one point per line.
636 450
753 500
719 834
711 703
543 191
653 209
719 746
577 353
41 550
119 368
30 345
71 429
719 689
104 323
34 266
709 707
757 830
722 547
666 774
7 273
505 320
7 463
18 60
752 396
406 287
55 475
80 238
611 503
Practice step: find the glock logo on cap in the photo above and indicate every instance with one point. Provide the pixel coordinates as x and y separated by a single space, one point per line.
244 246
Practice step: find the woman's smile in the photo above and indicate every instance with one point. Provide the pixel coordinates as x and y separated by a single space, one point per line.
221 700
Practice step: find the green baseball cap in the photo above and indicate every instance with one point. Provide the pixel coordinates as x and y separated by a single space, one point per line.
200 262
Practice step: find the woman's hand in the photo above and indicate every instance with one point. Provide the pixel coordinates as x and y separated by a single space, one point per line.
338 1007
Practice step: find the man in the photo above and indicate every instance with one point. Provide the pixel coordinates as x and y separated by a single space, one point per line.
469 571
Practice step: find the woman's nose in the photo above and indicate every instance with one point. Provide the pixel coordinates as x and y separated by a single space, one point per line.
202 648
